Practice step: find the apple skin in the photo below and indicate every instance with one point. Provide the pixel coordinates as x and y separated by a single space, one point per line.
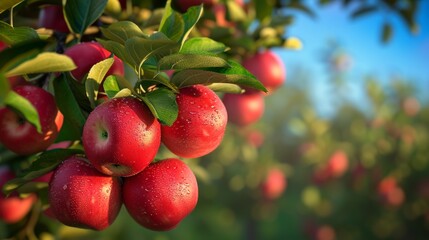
52 17
274 184
161 195
86 54
244 109
121 136
267 68
390 193
183 5
3 45
13 208
200 125
20 136
80 196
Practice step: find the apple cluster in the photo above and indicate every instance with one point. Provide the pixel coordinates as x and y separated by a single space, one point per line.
248 108
121 139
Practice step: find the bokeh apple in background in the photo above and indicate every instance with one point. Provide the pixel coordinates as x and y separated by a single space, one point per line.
183 5
87 54
200 125
13 208
267 68
162 195
121 136
52 17
20 136
244 109
80 196
274 184
390 192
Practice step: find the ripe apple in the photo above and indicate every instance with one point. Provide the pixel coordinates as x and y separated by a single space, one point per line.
183 5
161 195
268 68
255 138
338 163
121 136
274 184
13 208
3 45
52 17
244 109
390 192
17 81
20 136
86 54
200 125
80 196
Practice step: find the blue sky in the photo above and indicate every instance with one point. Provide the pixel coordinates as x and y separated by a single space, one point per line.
406 55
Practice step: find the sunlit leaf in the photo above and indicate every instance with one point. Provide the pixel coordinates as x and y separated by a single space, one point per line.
185 61
44 63
24 107
95 77
6 4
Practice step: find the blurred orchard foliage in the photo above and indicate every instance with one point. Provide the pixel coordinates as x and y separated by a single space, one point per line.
358 174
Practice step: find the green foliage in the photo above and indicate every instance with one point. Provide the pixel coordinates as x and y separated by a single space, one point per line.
81 13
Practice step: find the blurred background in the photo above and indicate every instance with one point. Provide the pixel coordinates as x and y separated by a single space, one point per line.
342 149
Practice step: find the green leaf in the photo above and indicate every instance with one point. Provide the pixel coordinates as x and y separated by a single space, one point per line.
172 24
225 87
121 31
236 74
21 52
264 9
111 86
6 4
44 63
364 10
142 50
185 61
13 35
119 50
23 107
80 14
67 103
126 92
95 77
44 163
386 33
203 44
190 19
235 11
4 89
162 103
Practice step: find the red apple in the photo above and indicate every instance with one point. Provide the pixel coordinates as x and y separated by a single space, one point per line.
325 232
52 17
161 195
244 109
17 81
183 5
200 125
80 196
3 45
338 163
19 135
86 54
274 184
255 138
267 68
121 136
13 208
390 192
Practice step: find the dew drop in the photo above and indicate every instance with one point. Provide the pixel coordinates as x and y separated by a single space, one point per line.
65 187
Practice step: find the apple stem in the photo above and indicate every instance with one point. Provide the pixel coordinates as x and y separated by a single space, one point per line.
27 232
